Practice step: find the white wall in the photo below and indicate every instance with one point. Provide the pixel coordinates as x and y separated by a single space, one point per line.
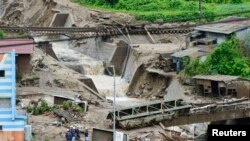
220 37
243 34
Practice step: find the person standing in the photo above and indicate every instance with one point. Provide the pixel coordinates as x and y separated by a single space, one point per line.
77 133
86 134
73 133
68 135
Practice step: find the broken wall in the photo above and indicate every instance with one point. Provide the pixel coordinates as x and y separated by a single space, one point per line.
243 89
97 49
119 56
148 85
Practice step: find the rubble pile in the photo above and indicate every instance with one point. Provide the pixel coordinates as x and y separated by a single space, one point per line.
161 63
29 81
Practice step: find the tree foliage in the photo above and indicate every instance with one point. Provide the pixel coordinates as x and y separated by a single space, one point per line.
171 10
220 1
227 59
1 34
99 2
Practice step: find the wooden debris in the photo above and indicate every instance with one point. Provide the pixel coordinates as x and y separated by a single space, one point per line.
166 137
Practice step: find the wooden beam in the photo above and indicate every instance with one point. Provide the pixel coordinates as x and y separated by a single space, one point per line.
149 35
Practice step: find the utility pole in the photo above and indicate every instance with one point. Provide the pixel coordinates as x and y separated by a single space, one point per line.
200 10
114 117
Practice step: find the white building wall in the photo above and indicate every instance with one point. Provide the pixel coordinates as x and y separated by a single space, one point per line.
220 37
242 34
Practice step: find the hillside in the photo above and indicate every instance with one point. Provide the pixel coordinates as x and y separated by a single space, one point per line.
171 10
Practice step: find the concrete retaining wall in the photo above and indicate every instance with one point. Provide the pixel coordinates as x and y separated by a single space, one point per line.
62 20
119 56
97 49
89 82
132 65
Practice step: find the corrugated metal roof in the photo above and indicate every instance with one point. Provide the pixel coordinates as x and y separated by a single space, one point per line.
226 28
224 78
22 49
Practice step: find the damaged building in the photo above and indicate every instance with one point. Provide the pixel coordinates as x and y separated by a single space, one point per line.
219 31
222 85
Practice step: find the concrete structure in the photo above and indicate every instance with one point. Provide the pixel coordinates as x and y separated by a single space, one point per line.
203 40
151 113
222 85
24 51
47 49
119 56
218 32
62 20
106 135
192 52
12 122
53 98
139 53
225 112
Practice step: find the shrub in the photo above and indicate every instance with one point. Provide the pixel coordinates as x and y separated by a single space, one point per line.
40 109
227 59
175 4
1 34
29 109
67 104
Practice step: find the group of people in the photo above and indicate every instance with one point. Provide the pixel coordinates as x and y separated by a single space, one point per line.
73 134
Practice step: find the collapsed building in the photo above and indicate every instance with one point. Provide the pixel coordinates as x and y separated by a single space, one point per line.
222 85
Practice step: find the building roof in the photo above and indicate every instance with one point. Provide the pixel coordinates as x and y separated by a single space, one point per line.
226 27
191 52
27 48
156 48
224 78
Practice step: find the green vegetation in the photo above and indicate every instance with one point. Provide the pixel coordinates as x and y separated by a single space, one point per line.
73 106
1 34
228 58
41 109
170 10
44 107
46 139
22 34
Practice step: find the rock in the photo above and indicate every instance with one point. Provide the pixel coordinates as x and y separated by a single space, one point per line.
59 83
142 86
149 88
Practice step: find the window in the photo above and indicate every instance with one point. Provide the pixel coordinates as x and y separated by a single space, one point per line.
1 127
2 73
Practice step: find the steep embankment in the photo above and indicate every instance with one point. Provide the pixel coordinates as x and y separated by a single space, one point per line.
170 10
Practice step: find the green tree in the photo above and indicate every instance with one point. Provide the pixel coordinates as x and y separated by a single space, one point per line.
1 34
227 59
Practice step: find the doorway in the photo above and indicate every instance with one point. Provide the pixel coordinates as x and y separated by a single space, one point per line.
214 87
